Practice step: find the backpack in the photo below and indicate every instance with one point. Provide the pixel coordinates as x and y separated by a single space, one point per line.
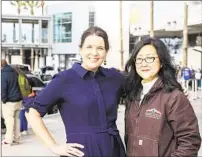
186 73
24 85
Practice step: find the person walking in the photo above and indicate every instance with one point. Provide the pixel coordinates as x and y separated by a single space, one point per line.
23 120
87 96
159 119
11 103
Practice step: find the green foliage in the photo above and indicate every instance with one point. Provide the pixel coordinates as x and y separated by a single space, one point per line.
31 5
19 5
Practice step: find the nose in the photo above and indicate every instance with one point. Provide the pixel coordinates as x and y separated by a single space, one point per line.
144 63
94 51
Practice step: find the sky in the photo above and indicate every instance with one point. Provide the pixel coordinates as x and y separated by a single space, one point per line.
164 11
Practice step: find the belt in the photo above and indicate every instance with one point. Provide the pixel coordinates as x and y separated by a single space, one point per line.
88 130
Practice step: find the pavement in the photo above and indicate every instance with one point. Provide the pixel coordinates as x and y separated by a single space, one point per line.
31 146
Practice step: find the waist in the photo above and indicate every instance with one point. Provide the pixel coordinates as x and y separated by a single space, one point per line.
92 130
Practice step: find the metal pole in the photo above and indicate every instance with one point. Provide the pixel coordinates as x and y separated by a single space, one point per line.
185 35
121 37
151 18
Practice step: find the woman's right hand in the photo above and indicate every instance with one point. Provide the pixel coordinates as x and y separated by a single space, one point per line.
68 149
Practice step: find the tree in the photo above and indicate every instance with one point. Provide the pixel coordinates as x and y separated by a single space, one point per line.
19 5
151 18
42 6
31 5
121 36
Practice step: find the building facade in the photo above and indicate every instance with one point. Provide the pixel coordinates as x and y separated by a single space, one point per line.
70 19
27 40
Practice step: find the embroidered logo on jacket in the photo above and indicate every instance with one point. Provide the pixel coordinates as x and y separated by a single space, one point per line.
153 113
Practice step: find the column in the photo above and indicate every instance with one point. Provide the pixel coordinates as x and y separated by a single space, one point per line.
40 31
36 63
32 59
50 31
49 57
22 55
44 56
41 60
20 31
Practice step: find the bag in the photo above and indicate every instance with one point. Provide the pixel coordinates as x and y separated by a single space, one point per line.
24 85
186 73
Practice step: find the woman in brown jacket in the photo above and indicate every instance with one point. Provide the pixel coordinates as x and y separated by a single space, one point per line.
160 120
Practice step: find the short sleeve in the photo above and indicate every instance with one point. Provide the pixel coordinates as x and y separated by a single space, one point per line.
48 97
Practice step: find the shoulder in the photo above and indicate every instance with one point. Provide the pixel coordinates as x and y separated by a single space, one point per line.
65 73
177 98
113 72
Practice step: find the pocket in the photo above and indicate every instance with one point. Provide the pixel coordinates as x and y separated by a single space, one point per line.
146 147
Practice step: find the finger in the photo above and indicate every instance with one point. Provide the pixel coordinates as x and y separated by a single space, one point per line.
67 154
75 145
75 152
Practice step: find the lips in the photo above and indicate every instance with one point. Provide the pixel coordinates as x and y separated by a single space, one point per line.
94 59
145 70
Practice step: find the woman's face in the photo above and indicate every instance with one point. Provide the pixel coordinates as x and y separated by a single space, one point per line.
147 63
93 52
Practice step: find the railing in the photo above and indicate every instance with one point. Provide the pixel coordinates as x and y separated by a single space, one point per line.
193 87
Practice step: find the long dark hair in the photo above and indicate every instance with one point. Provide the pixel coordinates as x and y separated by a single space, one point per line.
167 72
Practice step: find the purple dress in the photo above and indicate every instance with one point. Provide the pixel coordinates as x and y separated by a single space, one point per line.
88 106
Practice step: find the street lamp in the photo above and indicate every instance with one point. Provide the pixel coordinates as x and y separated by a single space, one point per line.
121 37
185 34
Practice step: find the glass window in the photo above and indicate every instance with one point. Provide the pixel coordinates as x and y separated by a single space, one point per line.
35 82
62 28
10 32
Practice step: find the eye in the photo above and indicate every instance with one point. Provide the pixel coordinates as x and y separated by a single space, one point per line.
151 58
89 47
100 48
138 59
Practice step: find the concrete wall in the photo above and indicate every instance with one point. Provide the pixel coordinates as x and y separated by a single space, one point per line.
108 18
194 58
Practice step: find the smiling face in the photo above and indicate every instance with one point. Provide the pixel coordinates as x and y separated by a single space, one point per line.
93 52
147 63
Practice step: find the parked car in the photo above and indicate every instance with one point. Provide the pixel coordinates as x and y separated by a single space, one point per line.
23 67
38 85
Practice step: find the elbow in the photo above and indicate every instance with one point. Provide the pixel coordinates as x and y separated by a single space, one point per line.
32 114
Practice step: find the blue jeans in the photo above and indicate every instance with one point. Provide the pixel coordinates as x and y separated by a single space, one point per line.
23 121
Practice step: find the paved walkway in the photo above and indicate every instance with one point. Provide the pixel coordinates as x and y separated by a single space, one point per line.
31 146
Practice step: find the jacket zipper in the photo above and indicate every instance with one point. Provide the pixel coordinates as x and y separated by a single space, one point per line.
139 106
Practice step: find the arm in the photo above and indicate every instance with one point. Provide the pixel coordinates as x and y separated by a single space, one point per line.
184 123
4 89
37 107
39 128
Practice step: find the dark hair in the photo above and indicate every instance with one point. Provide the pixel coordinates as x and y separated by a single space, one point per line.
95 31
167 72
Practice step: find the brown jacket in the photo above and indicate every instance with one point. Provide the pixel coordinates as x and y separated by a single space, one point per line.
163 125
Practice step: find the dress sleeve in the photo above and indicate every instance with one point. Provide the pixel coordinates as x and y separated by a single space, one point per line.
184 123
48 97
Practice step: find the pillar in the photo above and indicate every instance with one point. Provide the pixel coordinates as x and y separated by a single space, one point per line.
40 30
32 59
20 30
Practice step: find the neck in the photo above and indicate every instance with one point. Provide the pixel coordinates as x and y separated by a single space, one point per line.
149 80
85 67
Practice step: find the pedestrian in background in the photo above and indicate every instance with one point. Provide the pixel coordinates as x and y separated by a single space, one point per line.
23 120
11 103
160 120
87 96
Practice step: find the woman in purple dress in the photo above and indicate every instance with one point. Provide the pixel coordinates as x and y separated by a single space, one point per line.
87 96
